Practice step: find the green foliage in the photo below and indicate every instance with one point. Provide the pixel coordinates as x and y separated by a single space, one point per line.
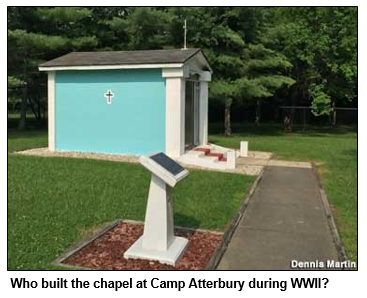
244 69
14 82
256 53
14 89
321 43
261 87
62 15
251 89
35 42
85 42
223 90
39 34
144 27
228 37
264 73
321 102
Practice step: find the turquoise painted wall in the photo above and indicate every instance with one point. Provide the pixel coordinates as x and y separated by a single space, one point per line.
134 123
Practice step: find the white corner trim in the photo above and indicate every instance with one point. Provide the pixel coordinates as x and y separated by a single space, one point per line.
51 110
203 109
175 116
182 72
106 67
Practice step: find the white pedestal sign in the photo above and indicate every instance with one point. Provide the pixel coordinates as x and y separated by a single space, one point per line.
158 241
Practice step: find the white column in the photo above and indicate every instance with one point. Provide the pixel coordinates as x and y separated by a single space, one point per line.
205 77
203 116
175 111
51 110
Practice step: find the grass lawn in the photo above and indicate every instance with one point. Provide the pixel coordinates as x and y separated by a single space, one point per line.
334 150
52 202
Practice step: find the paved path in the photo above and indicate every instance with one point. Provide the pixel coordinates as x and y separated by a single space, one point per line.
285 220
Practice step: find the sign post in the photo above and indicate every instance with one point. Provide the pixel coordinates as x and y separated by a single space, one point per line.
158 241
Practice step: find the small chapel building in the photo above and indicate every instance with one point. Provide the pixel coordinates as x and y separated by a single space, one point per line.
128 102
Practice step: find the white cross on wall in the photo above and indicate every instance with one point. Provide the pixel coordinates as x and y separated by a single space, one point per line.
109 96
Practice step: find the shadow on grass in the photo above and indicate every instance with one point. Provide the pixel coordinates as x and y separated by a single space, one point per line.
28 133
186 221
31 123
274 129
248 129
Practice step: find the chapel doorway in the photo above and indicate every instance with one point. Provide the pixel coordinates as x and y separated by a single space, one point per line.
192 95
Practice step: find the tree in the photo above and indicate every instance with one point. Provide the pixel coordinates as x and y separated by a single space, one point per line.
29 44
229 37
37 34
321 43
142 28
307 54
265 72
320 100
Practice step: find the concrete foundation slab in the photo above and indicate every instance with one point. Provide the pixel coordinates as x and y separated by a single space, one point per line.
170 256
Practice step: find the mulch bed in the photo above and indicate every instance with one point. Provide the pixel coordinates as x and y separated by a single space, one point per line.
106 252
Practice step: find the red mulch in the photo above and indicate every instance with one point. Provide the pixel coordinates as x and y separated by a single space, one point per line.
106 252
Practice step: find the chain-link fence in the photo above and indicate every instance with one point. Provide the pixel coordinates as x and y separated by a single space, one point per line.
298 116
303 116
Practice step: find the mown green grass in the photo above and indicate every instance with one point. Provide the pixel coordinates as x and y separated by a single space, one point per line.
53 201
334 150
26 140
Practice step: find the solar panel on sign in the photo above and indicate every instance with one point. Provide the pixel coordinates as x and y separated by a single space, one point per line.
167 163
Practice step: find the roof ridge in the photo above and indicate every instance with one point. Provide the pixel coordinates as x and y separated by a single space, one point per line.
160 56
130 51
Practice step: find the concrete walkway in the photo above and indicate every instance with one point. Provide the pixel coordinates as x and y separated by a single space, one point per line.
285 220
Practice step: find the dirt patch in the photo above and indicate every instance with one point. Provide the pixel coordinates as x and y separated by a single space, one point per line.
106 252
321 169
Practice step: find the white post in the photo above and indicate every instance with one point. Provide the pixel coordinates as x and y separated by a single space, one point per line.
51 110
205 77
244 149
231 159
158 241
175 111
203 118
159 216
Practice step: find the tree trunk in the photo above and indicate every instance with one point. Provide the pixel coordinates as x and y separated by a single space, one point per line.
227 120
334 114
258 113
23 108
39 109
35 110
